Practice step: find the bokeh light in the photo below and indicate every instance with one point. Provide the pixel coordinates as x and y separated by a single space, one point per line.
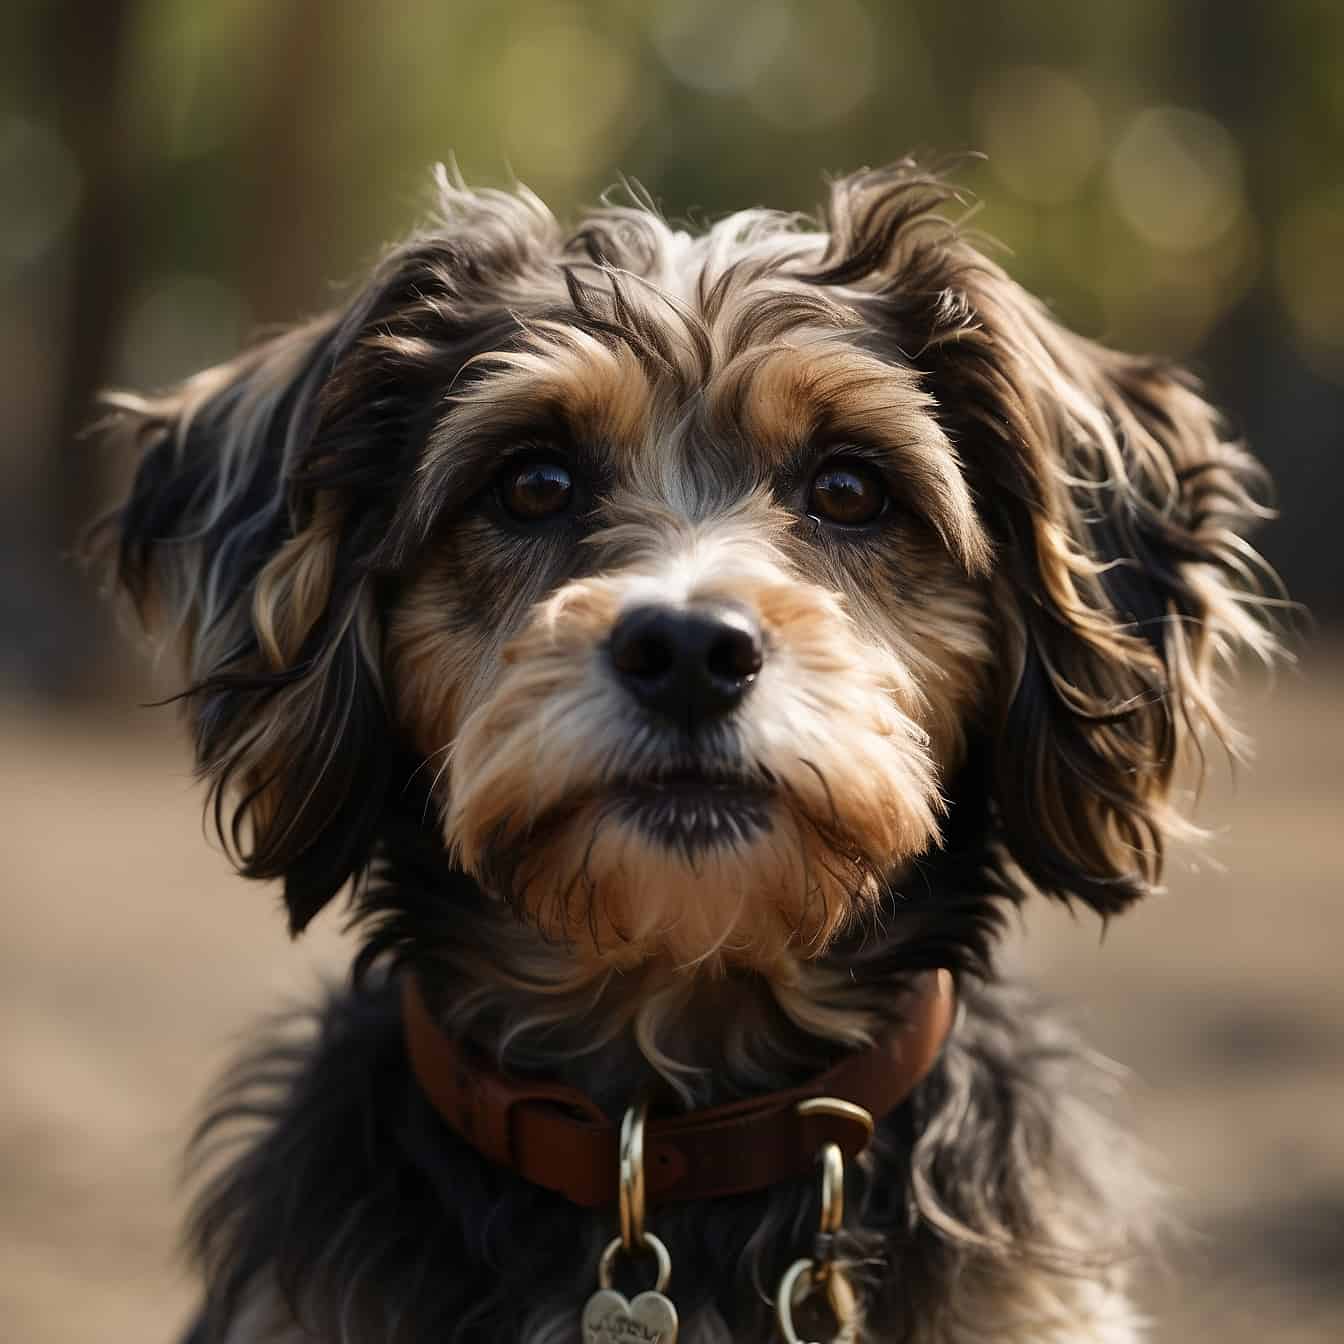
715 50
1176 178
798 65
1042 131
584 77
821 70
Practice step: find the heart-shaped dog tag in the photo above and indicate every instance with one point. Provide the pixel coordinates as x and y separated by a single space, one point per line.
610 1318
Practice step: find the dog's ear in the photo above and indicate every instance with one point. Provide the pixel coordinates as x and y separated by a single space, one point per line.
255 537
1118 509
229 548
1123 581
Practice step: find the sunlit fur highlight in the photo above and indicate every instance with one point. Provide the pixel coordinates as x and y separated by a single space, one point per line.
393 693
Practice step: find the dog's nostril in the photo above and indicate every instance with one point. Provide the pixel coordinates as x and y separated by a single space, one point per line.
735 654
642 646
687 664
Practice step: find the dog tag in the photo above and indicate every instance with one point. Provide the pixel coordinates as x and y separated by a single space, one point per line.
610 1318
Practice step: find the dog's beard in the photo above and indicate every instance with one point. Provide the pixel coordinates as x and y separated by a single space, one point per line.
752 844
625 882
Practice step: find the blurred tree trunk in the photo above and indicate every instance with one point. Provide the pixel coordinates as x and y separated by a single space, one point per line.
84 47
292 192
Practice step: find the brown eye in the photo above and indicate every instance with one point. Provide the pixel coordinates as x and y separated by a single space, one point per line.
536 490
848 492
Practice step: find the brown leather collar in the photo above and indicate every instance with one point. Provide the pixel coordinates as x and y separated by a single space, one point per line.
555 1136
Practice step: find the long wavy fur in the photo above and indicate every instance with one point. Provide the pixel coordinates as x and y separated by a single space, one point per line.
279 507
350 1199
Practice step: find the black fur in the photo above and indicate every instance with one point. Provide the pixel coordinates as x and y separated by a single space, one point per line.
377 1223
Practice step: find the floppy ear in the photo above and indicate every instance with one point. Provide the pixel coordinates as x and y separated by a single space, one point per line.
224 546
266 488
1117 508
1123 582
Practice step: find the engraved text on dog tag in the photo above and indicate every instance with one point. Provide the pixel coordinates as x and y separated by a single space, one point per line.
609 1318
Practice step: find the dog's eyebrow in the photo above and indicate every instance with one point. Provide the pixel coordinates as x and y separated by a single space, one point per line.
470 442
830 439
794 404
465 448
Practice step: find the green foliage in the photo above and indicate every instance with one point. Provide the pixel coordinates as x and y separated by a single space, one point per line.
1135 173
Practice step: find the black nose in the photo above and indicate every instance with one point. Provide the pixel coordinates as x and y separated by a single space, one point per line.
688 664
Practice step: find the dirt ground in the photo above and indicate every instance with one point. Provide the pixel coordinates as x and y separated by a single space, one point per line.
133 962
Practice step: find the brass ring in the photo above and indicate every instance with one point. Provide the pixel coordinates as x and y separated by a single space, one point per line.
832 1188
835 1106
633 1236
784 1299
839 1296
651 1243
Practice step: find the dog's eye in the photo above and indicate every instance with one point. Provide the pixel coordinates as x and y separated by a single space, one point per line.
849 492
533 491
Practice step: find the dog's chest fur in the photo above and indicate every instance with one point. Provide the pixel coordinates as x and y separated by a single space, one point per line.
998 1203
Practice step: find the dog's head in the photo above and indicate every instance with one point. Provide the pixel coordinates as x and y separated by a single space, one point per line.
691 571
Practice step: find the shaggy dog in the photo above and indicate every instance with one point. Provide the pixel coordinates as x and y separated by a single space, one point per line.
685 649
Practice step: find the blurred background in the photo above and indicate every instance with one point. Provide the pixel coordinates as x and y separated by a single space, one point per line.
177 174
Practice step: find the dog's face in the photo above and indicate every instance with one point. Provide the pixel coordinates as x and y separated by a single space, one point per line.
697 634
690 571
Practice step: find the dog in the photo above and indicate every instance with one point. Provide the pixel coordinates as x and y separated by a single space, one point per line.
686 650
